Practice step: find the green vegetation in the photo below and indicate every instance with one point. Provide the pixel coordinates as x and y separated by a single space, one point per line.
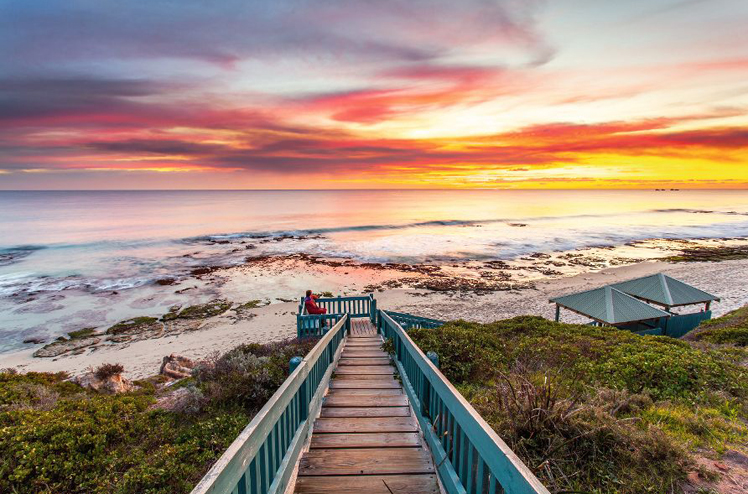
326 295
105 371
252 304
133 325
710 254
596 409
731 329
56 436
82 333
202 311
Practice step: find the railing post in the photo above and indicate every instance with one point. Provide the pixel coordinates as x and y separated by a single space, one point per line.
339 311
293 364
434 358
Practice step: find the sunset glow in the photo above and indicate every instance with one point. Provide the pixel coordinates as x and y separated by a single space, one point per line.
359 94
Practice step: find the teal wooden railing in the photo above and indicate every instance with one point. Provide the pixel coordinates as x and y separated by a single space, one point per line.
470 457
315 325
311 324
263 457
408 321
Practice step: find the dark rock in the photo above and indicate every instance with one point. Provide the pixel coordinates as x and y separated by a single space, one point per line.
114 383
34 341
62 346
176 367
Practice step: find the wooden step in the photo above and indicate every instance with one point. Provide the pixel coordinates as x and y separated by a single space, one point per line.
366 401
365 412
364 361
366 424
364 392
389 383
366 369
363 354
373 484
365 461
366 440
358 377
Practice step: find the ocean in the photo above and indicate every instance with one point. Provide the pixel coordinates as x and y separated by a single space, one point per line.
55 244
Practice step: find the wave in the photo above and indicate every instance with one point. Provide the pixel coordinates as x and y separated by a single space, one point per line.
303 232
16 254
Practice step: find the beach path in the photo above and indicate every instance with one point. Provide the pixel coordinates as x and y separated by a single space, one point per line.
365 439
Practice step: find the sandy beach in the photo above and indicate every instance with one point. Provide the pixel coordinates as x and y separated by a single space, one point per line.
276 321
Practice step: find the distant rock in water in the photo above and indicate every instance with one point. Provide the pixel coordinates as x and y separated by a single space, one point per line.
34 340
166 281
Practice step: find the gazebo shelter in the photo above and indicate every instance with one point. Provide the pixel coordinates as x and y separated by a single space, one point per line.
660 289
630 305
609 306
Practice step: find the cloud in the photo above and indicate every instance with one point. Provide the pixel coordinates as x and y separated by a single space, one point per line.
228 31
302 151
85 100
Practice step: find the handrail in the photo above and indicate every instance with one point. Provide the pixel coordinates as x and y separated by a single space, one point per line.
470 457
262 458
311 324
409 321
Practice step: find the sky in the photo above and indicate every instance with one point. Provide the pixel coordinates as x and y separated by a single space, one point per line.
295 94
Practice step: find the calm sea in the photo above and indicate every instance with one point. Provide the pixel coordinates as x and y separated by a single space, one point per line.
119 240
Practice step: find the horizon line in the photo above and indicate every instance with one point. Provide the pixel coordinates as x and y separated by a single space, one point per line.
652 189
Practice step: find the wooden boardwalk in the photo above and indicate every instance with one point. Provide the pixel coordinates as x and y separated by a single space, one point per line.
365 440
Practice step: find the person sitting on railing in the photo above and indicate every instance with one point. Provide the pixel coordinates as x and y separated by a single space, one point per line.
311 305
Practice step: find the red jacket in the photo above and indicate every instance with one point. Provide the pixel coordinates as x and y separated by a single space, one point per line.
312 307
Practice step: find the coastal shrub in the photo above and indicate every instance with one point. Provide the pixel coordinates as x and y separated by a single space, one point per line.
56 436
248 375
596 409
105 371
731 329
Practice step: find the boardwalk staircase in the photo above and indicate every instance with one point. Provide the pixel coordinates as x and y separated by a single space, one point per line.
352 419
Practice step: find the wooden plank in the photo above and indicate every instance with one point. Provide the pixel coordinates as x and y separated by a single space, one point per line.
388 383
363 354
374 484
364 361
375 342
368 377
366 401
364 392
365 412
366 424
366 440
365 369
365 461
